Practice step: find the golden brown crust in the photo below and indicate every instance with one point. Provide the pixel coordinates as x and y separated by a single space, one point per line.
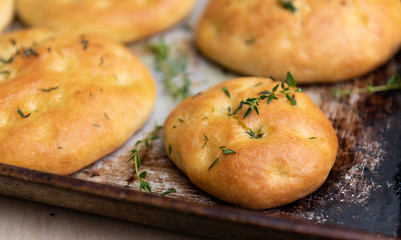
291 160
323 41
6 12
123 20
86 96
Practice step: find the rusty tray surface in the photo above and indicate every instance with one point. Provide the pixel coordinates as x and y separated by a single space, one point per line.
360 199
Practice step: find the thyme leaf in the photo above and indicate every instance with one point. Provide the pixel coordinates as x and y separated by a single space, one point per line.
226 92
169 191
22 114
288 5
228 151
214 162
48 89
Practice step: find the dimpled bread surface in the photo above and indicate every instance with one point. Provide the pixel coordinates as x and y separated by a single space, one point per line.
322 41
122 20
6 12
68 100
292 158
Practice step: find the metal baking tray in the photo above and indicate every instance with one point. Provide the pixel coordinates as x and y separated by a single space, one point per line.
360 199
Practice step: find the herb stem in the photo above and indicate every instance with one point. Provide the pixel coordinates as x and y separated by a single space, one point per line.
137 160
173 69
393 83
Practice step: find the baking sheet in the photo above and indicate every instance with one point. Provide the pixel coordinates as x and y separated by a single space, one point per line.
362 193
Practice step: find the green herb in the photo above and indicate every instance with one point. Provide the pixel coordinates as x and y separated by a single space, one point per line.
106 116
48 89
170 190
96 125
206 140
6 61
394 82
228 151
225 151
226 92
288 5
84 42
13 42
173 69
22 114
215 161
180 120
254 135
169 150
29 52
174 126
253 103
5 72
258 84
59 147
143 185
312 138
229 111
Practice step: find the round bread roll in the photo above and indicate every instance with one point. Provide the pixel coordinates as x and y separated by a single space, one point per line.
257 161
122 20
68 100
317 41
6 12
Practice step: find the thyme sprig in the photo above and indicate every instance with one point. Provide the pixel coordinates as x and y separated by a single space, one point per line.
253 103
254 135
174 69
143 184
394 82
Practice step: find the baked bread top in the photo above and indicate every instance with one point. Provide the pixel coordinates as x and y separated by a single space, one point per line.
68 100
6 12
283 154
317 41
122 20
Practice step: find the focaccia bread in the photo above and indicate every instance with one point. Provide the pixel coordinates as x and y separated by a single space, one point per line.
317 41
6 12
122 20
68 100
253 160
